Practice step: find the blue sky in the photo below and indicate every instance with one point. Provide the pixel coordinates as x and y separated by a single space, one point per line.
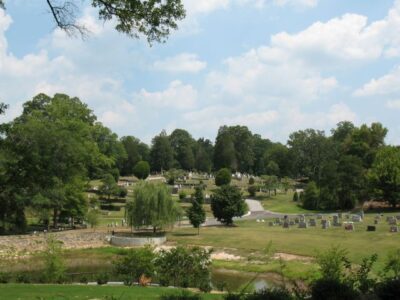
276 66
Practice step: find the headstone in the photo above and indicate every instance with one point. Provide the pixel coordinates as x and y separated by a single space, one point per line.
319 217
313 222
349 226
291 222
394 229
303 225
336 221
285 224
393 222
398 217
376 222
377 217
356 218
326 224
347 217
297 220
371 228
340 215
302 218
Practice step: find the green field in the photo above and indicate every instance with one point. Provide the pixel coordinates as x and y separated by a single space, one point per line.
77 292
250 238
281 203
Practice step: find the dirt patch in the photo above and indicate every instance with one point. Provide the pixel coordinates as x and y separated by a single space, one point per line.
221 255
292 257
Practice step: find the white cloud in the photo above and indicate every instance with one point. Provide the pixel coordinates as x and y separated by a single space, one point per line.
177 95
393 104
181 63
387 85
305 3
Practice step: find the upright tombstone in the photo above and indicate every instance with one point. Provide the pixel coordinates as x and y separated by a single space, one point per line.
336 221
398 217
285 224
312 222
291 223
394 229
319 216
356 218
297 220
349 226
376 221
303 225
302 218
371 228
393 222
326 224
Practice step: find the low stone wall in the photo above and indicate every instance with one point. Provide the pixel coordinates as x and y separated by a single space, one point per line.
125 241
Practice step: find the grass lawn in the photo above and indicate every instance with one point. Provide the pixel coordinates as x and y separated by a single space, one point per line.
250 237
281 203
77 292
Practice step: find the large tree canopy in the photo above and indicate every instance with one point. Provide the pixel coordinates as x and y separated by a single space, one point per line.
153 19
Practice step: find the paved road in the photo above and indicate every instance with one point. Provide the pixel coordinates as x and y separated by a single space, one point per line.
256 211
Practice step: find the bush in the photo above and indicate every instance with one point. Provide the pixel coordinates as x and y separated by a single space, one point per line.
223 177
83 279
136 263
182 195
22 278
226 203
141 170
184 267
310 200
252 189
295 197
332 289
122 192
5 277
270 294
53 261
102 278
251 181
388 289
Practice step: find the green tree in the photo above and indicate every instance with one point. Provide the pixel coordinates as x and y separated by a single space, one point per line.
385 174
196 212
183 144
161 153
92 218
272 168
108 187
252 189
226 203
135 263
243 144
295 197
141 170
152 19
204 152
152 205
136 151
224 150
311 199
223 177
50 149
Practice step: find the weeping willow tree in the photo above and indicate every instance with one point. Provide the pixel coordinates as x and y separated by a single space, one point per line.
152 206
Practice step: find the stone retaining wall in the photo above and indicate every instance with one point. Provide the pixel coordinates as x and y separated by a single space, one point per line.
124 241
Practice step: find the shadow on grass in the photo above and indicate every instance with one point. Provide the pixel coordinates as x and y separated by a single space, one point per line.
184 234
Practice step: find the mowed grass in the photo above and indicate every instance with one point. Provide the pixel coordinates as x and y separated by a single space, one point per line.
282 203
250 236
77 292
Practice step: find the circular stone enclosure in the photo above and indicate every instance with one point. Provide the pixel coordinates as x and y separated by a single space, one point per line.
137 240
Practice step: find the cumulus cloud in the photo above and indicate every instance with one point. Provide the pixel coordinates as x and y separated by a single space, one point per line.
177 95
181 63
387 85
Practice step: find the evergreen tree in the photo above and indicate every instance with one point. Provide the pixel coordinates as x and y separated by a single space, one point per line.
196 212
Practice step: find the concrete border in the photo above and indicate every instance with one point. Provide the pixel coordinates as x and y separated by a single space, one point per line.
134 241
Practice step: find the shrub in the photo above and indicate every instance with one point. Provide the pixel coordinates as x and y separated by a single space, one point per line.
5 277
92 218
226 203
136 263
184 267
182 195
141 170
53 261
332 289
251 181
22 278
270 294
122 192
83 279
252 189
310 200
223 177
102 278
295 197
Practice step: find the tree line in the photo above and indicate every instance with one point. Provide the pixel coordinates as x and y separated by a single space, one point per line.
52 150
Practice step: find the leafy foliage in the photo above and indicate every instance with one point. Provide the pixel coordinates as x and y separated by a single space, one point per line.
196 212
226 203
223 177
141 170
